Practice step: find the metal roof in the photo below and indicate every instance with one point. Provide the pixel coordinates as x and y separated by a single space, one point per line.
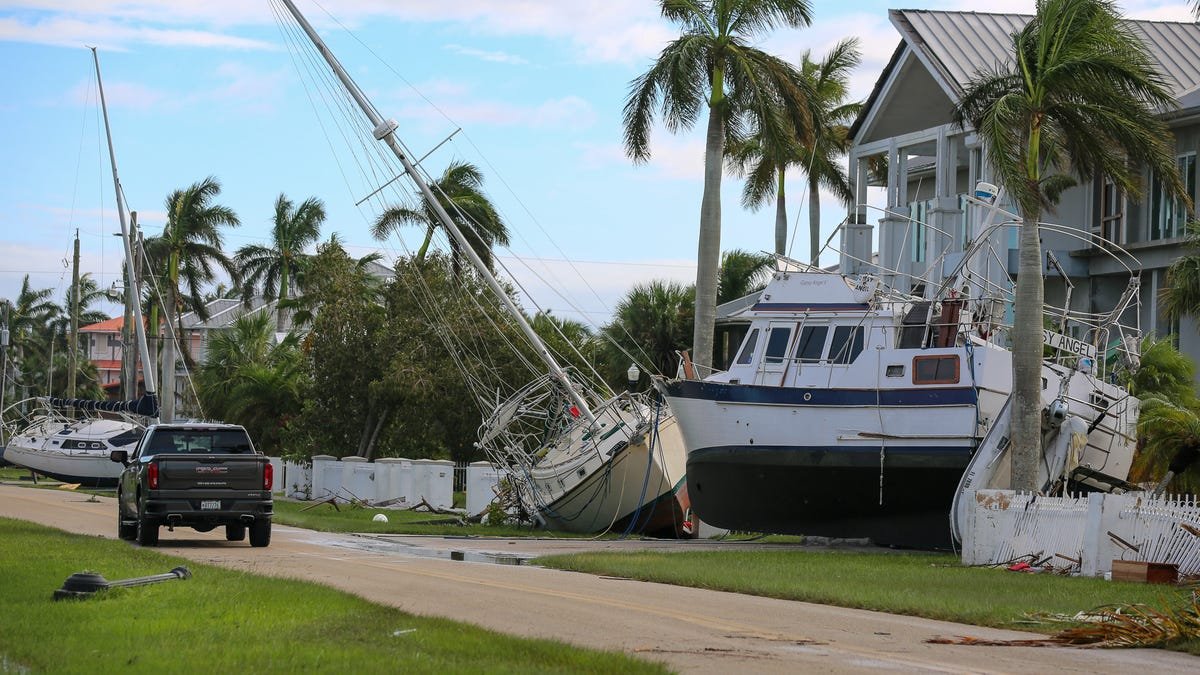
955 46
960 44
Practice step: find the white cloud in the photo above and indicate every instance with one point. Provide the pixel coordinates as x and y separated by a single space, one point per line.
484 55
568 112
589 290
65 31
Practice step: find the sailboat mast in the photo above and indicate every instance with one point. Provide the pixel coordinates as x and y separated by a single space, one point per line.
383 131
139 327
73 355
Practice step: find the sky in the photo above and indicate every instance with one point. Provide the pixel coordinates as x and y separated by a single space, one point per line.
198 89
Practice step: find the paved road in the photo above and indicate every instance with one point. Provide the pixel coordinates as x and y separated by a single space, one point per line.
691 630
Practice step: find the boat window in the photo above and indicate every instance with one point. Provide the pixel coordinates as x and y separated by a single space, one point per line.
777 341
847 344
895 370
811 343
935 369
748 346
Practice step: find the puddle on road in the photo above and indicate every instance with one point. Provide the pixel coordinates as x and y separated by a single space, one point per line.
377 545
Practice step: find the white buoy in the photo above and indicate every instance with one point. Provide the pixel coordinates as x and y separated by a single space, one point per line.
380 518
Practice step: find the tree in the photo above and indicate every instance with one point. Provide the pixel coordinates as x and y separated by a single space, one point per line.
742 273
460 192
650 325
250 380
189 249
29 315
1181 292
714 64
1080 97
275 268
765 164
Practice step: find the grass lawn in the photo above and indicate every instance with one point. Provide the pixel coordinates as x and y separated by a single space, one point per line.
917 584
227 621
351 518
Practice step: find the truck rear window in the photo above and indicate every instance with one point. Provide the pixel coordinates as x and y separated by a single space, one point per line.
216 442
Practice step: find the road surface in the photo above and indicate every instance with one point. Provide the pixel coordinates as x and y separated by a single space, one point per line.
691 630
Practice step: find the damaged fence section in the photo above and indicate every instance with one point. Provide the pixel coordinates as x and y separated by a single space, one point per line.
1088 531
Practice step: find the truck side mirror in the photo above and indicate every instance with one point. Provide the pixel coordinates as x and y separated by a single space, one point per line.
121 456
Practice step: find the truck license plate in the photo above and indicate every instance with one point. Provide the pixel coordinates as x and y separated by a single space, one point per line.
210 505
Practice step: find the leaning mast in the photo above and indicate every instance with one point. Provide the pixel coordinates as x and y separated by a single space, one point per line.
383 131
147 367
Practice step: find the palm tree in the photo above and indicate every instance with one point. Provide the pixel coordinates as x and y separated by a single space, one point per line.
1080 97
765 164
190 251
249 380
28 317
742 273
276 267
650 325
714 63
1181 292
460 192
1170 436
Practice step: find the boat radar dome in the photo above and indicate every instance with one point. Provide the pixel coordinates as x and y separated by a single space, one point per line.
985 192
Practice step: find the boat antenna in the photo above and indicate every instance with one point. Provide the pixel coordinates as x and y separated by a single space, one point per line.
147 366
383 131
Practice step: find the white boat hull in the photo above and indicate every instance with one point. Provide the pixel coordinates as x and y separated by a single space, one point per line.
51 446
641 488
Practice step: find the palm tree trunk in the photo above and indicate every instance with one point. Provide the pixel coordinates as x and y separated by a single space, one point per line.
168 365
814 222
708 256
781 225
283 295
425 244
170 309
1027 343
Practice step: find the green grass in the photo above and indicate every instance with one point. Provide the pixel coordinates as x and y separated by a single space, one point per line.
227 621
350 518
934 586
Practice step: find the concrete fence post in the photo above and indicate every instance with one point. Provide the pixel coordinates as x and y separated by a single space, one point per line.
320 487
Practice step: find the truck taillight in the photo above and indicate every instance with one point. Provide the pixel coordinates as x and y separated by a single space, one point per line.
268 476
152 475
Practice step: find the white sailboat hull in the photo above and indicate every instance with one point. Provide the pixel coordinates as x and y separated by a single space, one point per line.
72 451
640 488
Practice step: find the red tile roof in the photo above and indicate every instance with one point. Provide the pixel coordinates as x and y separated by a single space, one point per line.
107 364
107 326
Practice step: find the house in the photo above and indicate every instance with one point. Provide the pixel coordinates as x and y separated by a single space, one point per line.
105 349
932 164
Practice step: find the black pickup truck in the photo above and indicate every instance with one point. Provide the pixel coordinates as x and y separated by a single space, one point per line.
197 475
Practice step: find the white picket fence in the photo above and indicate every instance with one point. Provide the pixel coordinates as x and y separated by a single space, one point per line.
1089 532
395 482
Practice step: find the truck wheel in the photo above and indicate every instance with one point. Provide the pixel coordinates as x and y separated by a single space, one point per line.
260 533
147 531
125 530
235 532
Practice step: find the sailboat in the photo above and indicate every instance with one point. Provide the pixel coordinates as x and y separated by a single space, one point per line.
580 457
70 439
854 405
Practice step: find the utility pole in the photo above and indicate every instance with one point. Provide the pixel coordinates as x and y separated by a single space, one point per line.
73 345
3 365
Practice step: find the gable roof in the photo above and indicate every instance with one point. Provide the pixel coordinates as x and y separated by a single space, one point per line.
954 46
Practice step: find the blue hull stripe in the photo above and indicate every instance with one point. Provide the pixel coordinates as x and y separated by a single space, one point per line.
806 306
746 393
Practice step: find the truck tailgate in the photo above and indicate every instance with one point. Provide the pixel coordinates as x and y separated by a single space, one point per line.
209 472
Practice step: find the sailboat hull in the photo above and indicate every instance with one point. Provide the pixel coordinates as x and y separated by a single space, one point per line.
640 489
73 451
